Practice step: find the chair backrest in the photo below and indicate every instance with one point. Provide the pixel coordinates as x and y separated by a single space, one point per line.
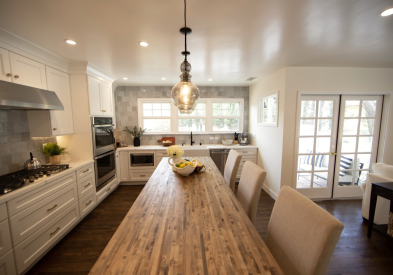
382 169
301 235
231 167
250 186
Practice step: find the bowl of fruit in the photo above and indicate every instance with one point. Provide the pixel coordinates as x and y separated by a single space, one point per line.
185 167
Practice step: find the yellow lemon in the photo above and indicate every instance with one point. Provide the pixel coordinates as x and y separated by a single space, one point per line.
182 165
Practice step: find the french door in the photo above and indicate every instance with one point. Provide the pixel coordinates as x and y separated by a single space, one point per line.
336 142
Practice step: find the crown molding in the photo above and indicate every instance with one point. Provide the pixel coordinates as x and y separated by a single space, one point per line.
85 67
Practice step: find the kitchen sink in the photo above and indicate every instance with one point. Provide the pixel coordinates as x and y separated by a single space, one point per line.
195 151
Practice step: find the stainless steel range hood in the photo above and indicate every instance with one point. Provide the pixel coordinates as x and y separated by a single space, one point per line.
16 96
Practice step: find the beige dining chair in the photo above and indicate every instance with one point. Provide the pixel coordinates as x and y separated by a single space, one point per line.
231 167
250 186
301 235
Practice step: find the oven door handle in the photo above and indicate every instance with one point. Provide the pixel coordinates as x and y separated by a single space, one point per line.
104 155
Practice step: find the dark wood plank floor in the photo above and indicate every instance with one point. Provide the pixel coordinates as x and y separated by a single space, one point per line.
77 252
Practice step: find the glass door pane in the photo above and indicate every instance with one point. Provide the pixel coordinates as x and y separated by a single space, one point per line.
316 140
357 144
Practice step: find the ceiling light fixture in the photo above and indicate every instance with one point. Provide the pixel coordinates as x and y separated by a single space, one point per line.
387 12
125 78
210 79
71 42
185 94
163 78
143 44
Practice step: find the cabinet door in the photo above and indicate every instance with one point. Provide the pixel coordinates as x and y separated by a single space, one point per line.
106 99
95 96
7 264
124 166
59 82
5 68
27 72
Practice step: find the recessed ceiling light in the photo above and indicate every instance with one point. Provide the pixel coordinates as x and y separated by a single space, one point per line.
210 79
143 43
71 42
125 78
163 78
387 12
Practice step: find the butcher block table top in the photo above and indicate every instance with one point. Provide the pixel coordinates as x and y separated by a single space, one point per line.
186 225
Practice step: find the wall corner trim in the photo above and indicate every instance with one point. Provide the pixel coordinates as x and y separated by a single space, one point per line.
269 191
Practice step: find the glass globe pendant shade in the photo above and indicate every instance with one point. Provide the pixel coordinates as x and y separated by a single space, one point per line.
185 96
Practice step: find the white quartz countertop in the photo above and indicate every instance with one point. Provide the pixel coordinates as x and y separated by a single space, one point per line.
187 147
74 165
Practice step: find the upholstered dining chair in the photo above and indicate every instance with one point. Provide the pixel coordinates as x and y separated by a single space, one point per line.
301 235
250 186
231 167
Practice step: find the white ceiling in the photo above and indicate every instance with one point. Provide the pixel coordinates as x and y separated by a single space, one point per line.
231 40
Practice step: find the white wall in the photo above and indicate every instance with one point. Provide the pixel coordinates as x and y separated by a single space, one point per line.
325 81
269 139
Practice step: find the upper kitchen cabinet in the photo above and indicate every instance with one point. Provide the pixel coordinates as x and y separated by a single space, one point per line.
5 68
27 72
100 97
54 122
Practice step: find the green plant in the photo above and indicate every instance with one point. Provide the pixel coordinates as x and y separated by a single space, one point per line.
53 149
135 132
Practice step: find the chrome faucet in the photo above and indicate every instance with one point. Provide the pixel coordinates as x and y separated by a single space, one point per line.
191 139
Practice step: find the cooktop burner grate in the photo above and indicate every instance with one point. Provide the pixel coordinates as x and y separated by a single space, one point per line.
19 179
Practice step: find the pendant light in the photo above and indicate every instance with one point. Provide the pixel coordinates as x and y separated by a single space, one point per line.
185 94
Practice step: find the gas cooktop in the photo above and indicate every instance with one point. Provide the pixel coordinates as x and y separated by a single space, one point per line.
19 179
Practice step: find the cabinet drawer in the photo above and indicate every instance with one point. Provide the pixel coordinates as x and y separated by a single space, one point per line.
37 195
245 151
86 184
5 238
161 153
84 171
106 190
30 220
87 203
140 175
3 212
246 158
7 264
33 247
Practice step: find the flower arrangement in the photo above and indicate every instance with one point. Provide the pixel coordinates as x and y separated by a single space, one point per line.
175 151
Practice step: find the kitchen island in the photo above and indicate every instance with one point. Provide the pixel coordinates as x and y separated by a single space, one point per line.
186 225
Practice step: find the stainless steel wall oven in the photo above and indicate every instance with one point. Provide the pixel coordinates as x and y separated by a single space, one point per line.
105 168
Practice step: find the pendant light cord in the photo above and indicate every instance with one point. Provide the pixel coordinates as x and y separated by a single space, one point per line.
185 26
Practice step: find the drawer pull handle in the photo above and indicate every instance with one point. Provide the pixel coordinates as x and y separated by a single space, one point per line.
8 75
245 152
89 202
54 206
54 129
54 231
108 189
143 175
16 76
87 184
87 170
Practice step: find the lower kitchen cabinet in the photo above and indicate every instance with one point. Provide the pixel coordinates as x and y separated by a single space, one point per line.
5 238
141 174
106 190
34 246
86 185
87 203
7 264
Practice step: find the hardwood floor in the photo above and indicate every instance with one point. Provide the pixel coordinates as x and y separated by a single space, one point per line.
77 252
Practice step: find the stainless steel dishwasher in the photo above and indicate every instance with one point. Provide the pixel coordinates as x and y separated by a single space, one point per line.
219 157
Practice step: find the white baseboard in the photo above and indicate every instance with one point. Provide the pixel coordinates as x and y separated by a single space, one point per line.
269 191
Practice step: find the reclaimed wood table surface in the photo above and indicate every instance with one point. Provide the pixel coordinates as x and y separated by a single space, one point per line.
186 225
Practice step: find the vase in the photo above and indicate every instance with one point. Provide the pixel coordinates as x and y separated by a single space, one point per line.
55 160
137 142
175 159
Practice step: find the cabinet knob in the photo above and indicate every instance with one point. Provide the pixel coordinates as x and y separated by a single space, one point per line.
54 129
16 76
8 75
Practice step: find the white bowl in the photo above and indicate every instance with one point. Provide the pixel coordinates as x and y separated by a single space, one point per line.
185 171
227 142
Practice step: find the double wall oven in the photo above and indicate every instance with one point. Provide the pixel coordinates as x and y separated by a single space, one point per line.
104 150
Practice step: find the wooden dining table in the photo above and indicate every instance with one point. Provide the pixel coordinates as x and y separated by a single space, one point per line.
186 225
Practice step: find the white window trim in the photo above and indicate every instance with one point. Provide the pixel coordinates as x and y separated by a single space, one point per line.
260 111
175 117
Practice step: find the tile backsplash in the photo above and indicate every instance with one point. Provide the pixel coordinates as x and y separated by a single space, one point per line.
126 106
16 143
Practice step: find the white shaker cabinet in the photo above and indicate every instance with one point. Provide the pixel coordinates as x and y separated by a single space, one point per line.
27 72
54 122
100 97
124 166
5 68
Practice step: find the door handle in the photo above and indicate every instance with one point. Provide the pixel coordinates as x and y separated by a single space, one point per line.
333 153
